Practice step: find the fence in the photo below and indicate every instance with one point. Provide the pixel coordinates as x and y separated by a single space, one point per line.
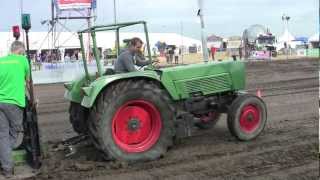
60 72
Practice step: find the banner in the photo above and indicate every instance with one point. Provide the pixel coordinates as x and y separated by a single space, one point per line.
73 4
261 54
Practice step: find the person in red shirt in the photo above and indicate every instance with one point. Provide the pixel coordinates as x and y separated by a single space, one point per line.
213 52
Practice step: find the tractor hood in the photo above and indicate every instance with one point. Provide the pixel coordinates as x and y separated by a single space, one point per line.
204 78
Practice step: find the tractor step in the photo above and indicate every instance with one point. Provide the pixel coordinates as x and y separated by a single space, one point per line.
71 145
75 140
22 169
19 157
184 124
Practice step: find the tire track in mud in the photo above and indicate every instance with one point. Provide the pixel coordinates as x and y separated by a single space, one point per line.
54 108
286 87
240 165
276 85
308 172
272 136
283 66
195 159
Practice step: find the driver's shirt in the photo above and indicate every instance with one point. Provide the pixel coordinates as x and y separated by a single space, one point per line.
125 62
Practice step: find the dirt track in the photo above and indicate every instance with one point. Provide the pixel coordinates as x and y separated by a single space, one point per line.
287 149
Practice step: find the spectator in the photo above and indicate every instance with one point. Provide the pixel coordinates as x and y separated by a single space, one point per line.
176 55
171 53
67 57
240 52
213 52
166 53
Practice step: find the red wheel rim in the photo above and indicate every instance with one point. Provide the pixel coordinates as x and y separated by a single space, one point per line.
136 126
249 119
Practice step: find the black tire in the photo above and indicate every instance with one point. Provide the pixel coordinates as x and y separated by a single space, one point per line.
245 107
115 97
209 123
78 116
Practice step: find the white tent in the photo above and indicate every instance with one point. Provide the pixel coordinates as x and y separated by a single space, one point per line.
40 40
286 37
314 38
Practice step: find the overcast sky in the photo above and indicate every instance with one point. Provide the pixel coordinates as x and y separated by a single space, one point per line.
222 17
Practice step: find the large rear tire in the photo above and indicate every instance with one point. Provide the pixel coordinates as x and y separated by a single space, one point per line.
247 117
132 121
78 116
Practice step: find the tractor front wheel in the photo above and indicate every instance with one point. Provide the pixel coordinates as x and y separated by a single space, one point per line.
78 116
247 117
133 120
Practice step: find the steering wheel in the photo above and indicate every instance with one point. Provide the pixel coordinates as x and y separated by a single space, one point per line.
153 64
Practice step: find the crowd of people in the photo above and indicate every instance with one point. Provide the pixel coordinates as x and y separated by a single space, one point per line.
172 53
55 56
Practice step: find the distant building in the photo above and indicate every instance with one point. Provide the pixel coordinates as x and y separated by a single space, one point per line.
214 41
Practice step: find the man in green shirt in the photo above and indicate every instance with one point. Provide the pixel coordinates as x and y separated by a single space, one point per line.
14 72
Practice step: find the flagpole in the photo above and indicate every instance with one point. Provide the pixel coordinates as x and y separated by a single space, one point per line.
21 12
115 11
182 46
203 34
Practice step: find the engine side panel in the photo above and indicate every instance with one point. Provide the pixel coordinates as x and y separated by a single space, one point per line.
205 79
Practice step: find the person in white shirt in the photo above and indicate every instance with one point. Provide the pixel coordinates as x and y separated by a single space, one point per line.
176 55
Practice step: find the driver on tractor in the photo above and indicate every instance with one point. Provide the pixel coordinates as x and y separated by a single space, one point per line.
130 57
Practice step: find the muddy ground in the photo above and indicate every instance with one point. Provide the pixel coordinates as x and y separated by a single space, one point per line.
287 149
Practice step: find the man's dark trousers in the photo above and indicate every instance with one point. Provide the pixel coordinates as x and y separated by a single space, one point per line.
11 117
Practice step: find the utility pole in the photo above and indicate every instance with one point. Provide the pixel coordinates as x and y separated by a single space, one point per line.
203 34
114 11
285 20
182 46
53 25
21 12
117 41
89 35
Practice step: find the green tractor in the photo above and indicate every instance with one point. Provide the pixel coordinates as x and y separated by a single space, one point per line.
137 116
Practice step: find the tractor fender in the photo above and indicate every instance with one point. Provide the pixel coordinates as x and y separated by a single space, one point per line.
73 91
92 91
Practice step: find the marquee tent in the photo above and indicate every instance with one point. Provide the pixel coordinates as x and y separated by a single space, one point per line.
40 40
314 38
286 37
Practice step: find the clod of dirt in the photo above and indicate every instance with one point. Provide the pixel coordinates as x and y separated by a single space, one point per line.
118 165
59 147
82 167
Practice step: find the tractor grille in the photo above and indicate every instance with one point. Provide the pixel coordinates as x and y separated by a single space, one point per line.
208 85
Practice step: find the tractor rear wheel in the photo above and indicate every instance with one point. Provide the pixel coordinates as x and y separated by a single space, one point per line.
247 117
78 116
132 121
208 121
